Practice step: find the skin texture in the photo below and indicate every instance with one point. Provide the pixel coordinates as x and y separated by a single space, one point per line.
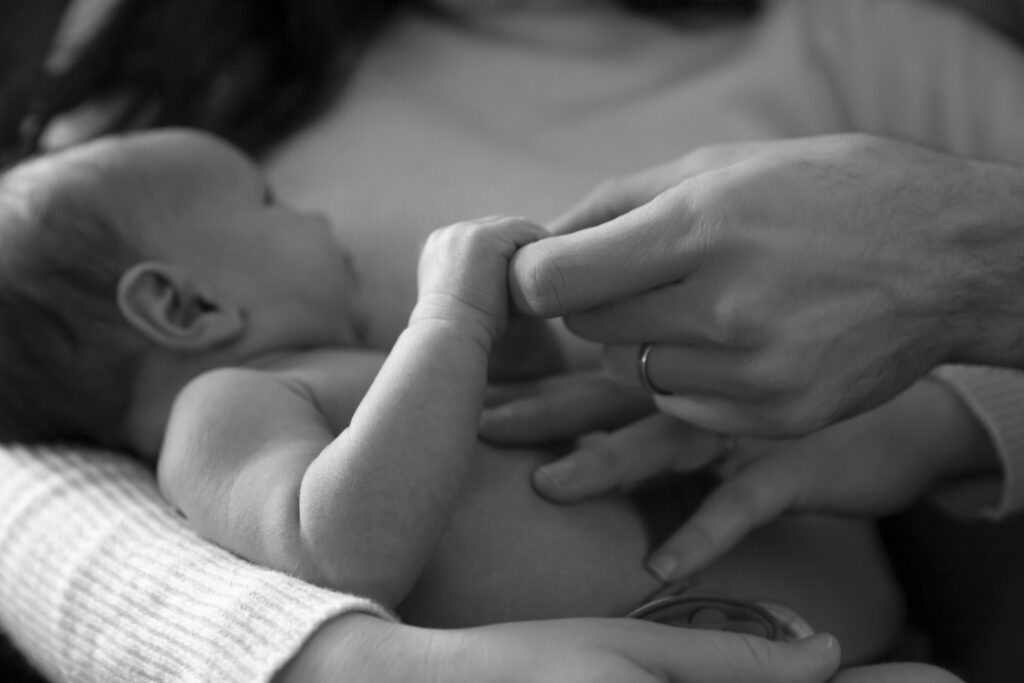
577 651
871 465
569 651
320 446
787 285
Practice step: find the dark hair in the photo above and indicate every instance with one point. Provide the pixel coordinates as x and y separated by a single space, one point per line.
248 70
67 358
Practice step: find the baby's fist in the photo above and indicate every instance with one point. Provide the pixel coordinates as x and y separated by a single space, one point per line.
463 273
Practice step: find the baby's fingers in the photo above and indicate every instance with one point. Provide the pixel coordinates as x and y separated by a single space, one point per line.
522 231
755 496
623 458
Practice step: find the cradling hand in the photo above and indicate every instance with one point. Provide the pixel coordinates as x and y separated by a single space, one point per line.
360 648
633 651
871 465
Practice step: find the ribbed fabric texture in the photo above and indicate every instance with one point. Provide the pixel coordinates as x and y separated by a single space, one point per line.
99 583
996 397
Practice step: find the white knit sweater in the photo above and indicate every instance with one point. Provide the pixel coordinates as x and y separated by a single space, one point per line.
99 581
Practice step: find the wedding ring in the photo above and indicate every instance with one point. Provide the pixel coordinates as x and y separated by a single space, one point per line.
641 370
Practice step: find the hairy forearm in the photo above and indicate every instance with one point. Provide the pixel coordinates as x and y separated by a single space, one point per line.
373 504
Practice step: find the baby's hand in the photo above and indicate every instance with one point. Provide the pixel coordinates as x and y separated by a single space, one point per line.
463 274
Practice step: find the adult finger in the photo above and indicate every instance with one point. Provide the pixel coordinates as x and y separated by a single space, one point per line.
756 495
501 393
692 655
623 458
687 371
562 409
774 420
647 247
615 197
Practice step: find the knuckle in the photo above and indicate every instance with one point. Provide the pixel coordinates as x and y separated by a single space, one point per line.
712 197
767 378
610 186
794 418
711 201
737 322
706 157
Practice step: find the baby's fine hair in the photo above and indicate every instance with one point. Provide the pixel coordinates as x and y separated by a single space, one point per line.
67 358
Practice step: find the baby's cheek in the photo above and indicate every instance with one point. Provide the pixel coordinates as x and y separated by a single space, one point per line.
509 555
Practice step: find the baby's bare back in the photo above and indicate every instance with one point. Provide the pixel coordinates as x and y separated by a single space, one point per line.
509 555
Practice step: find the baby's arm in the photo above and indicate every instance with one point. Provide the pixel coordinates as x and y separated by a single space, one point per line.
251 461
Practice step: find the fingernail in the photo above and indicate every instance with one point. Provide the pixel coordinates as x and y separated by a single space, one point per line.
664 566
819 642
560 473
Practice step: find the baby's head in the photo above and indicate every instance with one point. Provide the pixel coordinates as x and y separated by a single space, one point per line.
130 264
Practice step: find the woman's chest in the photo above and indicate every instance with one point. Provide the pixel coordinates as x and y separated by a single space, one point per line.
442 125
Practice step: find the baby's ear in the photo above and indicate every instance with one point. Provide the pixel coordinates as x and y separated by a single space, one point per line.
171 308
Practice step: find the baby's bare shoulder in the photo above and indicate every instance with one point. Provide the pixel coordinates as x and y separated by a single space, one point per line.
298 371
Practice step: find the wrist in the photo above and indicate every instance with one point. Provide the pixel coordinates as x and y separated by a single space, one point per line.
440 314
986 237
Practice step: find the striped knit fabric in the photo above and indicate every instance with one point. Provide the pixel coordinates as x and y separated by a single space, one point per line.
101 581
996 397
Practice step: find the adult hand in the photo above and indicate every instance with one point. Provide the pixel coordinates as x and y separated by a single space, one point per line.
900 672
633 651
560 407
871 465
786 285
620 440
361 648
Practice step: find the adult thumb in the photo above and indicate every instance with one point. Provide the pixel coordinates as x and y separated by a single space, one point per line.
648 247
